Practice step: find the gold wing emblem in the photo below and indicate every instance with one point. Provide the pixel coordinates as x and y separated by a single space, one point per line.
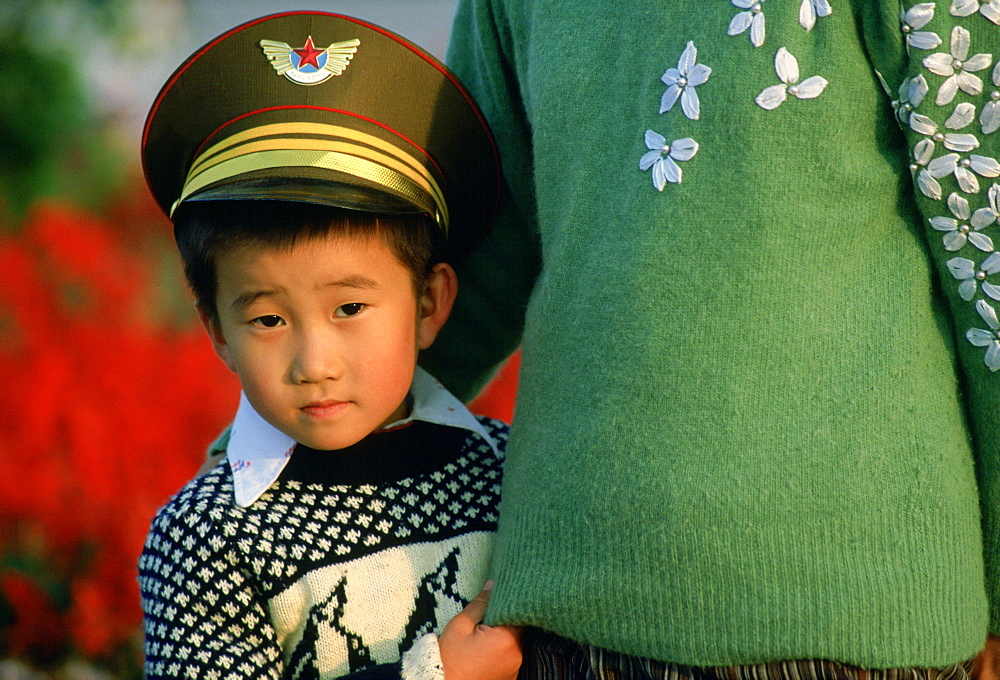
339 55
279 54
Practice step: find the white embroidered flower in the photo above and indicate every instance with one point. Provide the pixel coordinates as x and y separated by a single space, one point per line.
752 18
987 338
988 8
911 93
810 9
682 81
663 157
915 18
957 232
957 68
966 271
963 168
787 67
990 117
953 141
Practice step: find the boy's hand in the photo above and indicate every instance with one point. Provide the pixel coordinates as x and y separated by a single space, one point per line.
987 663
472 651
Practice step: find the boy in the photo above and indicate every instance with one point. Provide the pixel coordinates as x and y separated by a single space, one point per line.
318 194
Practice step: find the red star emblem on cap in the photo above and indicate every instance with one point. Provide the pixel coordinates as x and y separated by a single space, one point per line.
308 54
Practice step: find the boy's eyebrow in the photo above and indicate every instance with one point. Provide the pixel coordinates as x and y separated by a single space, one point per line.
356 281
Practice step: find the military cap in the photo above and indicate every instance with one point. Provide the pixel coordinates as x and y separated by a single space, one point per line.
328 109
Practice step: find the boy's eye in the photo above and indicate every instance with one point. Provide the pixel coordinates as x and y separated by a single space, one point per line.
349 309
268 321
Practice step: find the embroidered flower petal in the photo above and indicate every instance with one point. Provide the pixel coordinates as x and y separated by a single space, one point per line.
669 169
671 76
969 83
924 40
744 4
811 87
757 30
772 97
684 149
982 218
923 125
939 63
698 75
740 22
993 197
669 98
960 40
954 240
992 357
959 207
963 8
920 15
991 265
979 337
807 15
984 166
981 241
918 89
660 174
961 268
929 186
787 66
990 117
947 91
978 62
991 290
988 314
967 290
991 11
944 223
959 142
690 103
923 150
689 57
647 160
654 140
967 181
940 166
963 114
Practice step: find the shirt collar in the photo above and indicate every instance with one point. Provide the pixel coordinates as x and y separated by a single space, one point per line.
258 451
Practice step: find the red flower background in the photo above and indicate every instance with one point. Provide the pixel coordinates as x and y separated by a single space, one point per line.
106 409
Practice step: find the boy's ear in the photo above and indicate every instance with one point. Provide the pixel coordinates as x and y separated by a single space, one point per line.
435 303
219 343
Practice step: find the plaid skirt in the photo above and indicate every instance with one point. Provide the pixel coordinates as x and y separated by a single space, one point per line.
550 657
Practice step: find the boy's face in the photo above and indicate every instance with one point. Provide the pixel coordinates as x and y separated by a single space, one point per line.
324 335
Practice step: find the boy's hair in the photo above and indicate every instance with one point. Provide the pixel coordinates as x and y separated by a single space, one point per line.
207 229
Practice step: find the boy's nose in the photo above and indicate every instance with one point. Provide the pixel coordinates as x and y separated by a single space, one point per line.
315 360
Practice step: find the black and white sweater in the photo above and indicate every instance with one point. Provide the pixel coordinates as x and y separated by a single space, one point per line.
346 565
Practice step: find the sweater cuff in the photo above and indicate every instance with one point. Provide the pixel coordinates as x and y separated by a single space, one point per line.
423 660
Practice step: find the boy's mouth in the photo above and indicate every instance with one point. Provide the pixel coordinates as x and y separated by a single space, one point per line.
325 408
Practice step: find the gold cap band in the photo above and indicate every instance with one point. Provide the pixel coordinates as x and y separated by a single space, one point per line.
314 145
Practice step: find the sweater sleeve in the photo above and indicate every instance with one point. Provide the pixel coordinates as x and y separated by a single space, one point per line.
938 62
497 280
202 617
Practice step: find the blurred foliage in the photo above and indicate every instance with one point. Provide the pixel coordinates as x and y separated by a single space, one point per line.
50 129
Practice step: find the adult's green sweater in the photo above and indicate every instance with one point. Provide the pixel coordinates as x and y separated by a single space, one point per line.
758 412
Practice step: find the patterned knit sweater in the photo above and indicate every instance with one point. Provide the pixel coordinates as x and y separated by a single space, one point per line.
348 562
750 247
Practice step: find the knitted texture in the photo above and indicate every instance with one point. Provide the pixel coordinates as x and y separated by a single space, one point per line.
319 579
756 384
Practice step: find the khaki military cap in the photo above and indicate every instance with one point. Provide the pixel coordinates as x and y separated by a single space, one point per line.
328 109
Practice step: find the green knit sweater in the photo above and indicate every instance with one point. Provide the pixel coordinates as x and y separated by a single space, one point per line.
758 411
